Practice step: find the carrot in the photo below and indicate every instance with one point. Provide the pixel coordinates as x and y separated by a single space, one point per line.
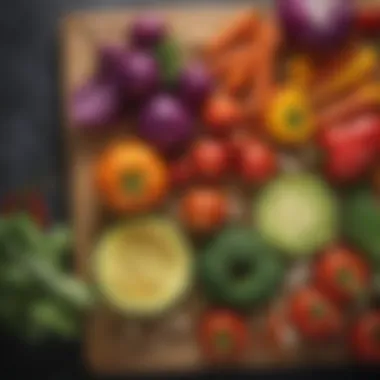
364 98
240 71
263 79
232 58
360 67
241 28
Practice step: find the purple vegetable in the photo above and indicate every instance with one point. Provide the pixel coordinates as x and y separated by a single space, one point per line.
321 25
195 84
110 58
96 104
166 124
139 75
147 31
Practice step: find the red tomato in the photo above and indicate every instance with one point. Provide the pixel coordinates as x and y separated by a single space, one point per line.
341 274
181 172
314 316
257 162
203 209
31 203
223 336
365 337
210 159
222 114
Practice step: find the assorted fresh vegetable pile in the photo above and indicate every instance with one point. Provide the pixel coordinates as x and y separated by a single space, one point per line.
226 139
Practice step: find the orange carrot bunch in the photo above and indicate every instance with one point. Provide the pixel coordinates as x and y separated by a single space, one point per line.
242 58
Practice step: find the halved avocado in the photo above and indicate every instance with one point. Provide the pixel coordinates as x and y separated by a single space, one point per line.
144 266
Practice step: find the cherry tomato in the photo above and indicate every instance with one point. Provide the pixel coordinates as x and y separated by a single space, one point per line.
314 316
223 336
365 337
341 274
203 209
221 114
235 145
30 202
257 162
181 172
210 159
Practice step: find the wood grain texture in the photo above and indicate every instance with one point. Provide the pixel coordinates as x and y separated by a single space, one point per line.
113 344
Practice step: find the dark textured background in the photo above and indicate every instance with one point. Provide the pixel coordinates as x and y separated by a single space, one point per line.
30 146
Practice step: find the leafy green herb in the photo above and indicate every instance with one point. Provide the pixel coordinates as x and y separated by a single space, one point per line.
169 58
38 297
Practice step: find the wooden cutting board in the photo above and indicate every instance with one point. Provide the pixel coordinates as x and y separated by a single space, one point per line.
112 344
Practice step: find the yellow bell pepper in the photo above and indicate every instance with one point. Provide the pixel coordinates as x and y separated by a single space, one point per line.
299 71
289 118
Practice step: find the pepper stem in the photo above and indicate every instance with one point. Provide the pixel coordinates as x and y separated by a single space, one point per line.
294 118
132 183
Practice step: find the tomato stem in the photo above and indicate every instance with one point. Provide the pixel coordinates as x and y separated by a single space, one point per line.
223 342
318 311
347 279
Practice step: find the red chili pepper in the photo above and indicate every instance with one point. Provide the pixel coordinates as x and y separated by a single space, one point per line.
223 336
365 338
368 20
351 147
30 202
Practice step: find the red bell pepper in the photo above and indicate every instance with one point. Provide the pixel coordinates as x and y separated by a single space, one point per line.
367 20
351 148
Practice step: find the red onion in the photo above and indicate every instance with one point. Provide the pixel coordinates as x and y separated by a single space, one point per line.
316 25
147 31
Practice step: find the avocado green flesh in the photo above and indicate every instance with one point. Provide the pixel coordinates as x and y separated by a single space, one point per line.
297 214
239 270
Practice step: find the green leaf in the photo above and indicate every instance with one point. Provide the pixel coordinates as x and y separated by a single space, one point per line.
169 58
66 287
19 233
57 244
37 297
16 276
60 238
49 317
